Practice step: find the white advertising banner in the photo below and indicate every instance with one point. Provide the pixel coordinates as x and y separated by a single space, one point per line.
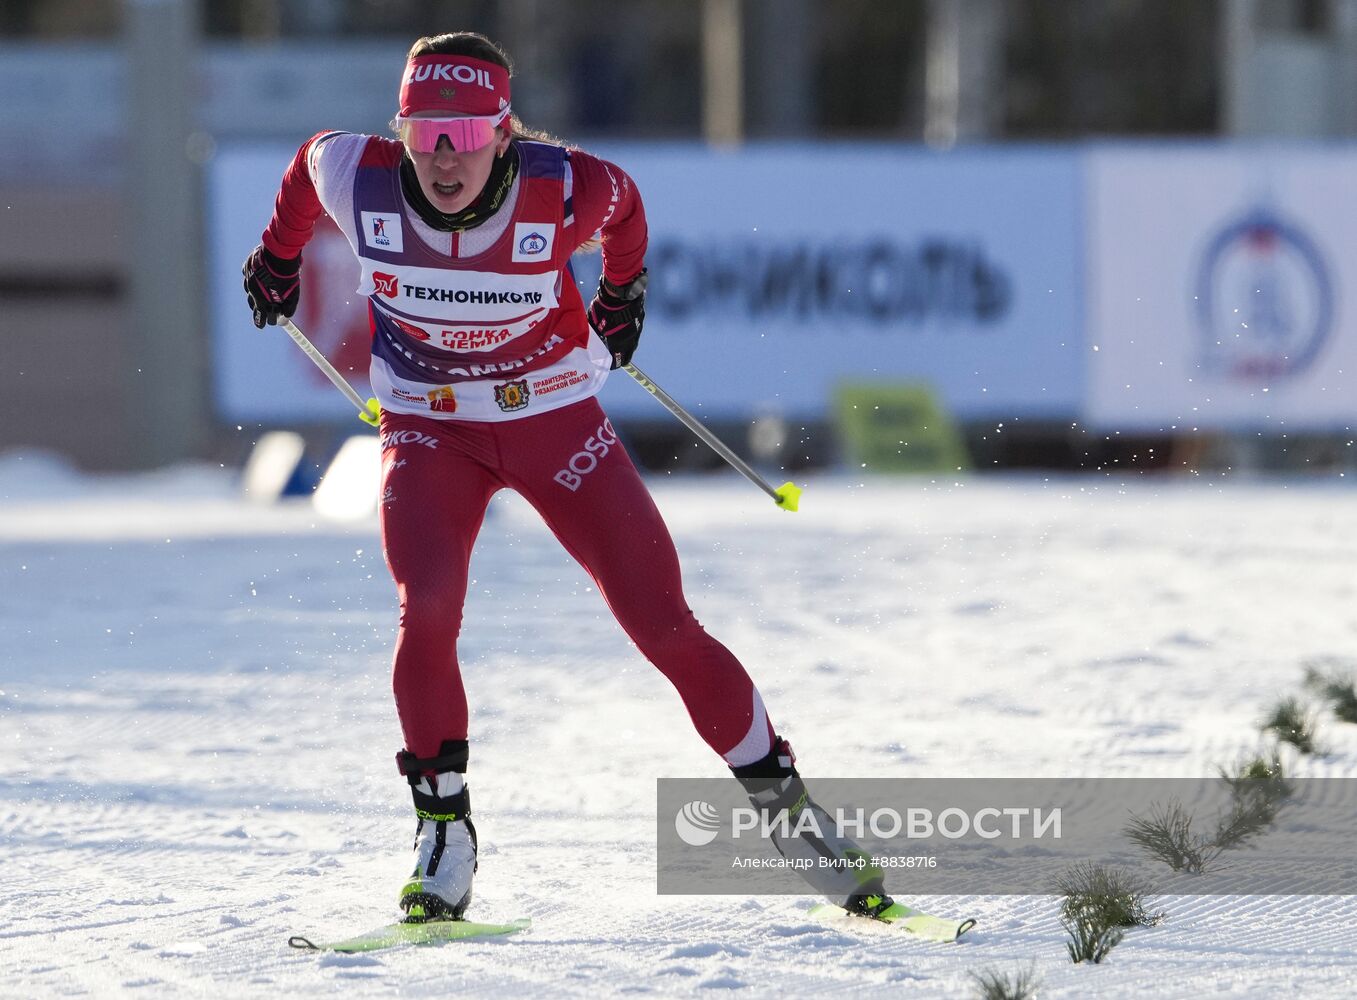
776 272
1221 286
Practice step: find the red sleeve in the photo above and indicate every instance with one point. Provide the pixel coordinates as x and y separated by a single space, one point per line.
297 207
606 201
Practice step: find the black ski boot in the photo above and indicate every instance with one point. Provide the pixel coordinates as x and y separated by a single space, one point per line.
851 880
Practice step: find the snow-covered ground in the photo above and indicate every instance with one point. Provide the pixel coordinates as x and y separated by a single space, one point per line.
198 733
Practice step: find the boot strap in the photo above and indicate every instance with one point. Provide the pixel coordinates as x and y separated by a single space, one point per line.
452 756
772 795
772 782
777 763
442 808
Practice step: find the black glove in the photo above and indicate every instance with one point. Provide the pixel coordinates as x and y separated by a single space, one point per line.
272 285
617 314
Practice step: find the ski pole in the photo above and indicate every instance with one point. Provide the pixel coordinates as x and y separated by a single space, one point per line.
787 496
369 412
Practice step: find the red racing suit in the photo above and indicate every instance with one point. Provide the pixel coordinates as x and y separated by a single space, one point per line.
486 370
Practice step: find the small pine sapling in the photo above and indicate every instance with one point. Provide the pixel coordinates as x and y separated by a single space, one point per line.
1090 940
1258 789
1291 722
1167 834
1340 692
996 985
1107 895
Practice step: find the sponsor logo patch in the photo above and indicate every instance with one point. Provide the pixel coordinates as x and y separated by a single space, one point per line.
533 240
382 231
512 395
410 329
387 284
442 399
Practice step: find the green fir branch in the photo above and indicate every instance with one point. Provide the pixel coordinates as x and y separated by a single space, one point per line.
1090 940
1340 692
996 985
1110 896
1167 834
1291 722
1258 790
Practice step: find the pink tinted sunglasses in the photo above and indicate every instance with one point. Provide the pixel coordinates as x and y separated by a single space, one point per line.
465 134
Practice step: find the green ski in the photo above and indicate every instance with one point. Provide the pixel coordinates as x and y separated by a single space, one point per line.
915 922
412 932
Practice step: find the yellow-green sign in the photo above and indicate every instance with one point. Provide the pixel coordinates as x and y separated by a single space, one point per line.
897 427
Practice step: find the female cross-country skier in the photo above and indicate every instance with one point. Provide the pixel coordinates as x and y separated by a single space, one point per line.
486 365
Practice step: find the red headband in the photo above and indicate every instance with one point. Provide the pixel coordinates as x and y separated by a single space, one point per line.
457 84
